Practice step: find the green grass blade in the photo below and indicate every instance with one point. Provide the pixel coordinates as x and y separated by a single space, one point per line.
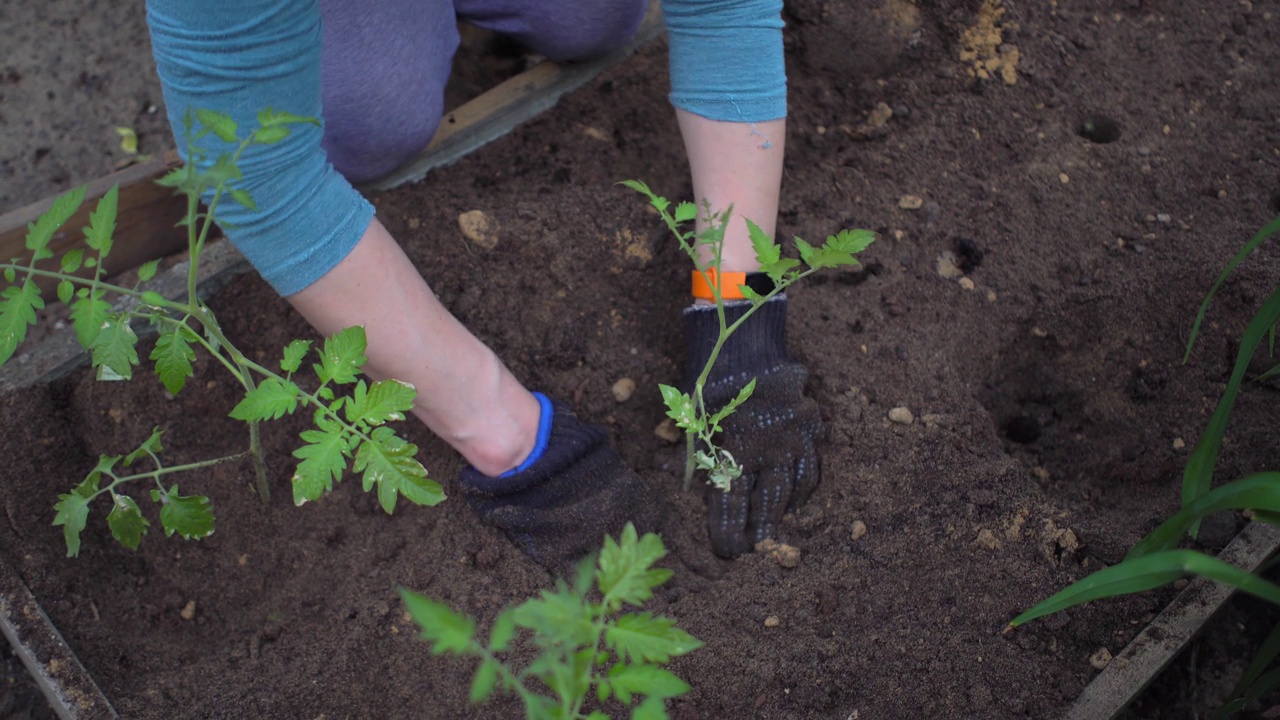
1146 573
1267 231
1260 492
1198 474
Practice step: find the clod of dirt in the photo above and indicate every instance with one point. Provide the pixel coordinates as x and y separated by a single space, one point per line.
479 228
772 621
1101 659
876 125
1058 544
987 540
766 545
668 432
947 265
596 134
901 415
624 389
910 202
786 556
188 611
983 49
116 414
858 531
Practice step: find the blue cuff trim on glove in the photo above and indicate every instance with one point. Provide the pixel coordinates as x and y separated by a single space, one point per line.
544 435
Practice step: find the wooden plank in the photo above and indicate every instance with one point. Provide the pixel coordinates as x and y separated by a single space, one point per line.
148 213
70 690
1156 646
145 221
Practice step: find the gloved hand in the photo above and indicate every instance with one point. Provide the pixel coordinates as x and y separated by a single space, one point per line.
574 489
771 435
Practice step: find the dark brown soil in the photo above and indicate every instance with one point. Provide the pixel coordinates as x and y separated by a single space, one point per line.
1048 394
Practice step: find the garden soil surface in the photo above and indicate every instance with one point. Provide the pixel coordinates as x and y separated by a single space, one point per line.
1055 187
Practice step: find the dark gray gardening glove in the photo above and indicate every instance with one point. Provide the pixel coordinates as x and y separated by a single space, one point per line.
558 506
771 435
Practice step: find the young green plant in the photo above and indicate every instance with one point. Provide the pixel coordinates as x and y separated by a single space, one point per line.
584 640
705 249
1156 560
348 428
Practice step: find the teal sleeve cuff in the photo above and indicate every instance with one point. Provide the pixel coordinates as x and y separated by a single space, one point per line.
239 57
726 58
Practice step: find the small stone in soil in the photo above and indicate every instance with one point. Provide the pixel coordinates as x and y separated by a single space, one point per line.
1101 659
668 432
1179 443
858 531
188 611
623 389
772 621
947 265
966 283
901 415
910 202
479 229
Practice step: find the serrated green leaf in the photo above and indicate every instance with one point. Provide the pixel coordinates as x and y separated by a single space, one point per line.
780 270
190 516
806 251
219 124
767 251
148 270
115 347
102 223
40 232
558 618
72 261
342 356
270 116
88 313
175 178
270 135
650 680
155 299
243 197
653 708
17 313
126 522
150 446
66 292
679 407
851 241
388 461
625 568
324 460
386 400
73 507
733 404
173 356
448 631
293 354
685 212
482 684
504 630
272 399
645 638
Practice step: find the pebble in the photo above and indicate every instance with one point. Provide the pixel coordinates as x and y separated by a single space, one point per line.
1065 178
596 134
479 228
668 432
901 415
624 389
188 611
414 223
858 531
910 202
772 621
947 267
1179 443
966 283
1101 659
1164 218
1040 472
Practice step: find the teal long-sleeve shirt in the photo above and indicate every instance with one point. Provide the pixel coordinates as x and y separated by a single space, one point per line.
240 56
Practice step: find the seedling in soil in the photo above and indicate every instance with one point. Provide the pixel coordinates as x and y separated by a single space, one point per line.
583 642
688 410
1156 560
347 428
